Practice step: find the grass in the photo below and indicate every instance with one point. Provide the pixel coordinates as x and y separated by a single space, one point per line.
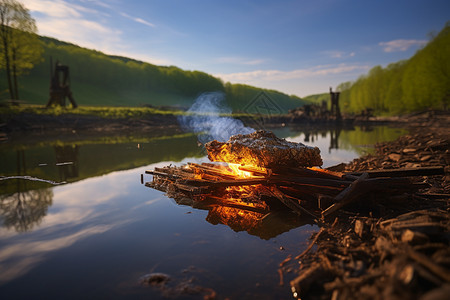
100 111
112 112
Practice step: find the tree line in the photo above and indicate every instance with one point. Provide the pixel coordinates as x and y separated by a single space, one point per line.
99 79
419 83
103 80
20 48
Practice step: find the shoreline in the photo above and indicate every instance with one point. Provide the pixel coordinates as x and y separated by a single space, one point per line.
379 249
45 124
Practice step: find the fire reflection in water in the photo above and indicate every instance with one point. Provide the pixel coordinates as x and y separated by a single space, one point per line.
245 217
265 226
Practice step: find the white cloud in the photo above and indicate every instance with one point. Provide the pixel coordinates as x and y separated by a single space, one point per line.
277 75
138 20
57 9
338 54
98 3
240 61
400 45
71 22
86 27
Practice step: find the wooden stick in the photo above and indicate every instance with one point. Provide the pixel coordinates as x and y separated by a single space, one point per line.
311 245
346 196
163 174
291 203
311 181
429 264
306 172
422 171
225 183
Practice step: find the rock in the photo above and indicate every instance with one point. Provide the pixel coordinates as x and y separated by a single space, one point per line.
154 279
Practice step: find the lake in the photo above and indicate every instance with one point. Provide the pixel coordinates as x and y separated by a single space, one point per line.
99 232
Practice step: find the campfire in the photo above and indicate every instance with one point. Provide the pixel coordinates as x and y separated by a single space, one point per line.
259 172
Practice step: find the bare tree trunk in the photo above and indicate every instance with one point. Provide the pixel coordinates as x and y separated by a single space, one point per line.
5 32
14 71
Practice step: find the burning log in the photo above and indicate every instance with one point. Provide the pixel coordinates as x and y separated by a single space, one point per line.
263 149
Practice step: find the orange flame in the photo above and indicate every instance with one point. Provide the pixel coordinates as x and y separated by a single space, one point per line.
239 172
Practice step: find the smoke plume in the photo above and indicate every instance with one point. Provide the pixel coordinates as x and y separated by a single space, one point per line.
205 117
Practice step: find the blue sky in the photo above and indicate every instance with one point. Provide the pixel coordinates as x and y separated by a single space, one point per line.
297 47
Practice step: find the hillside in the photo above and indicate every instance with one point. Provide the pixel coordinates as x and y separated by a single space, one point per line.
421 82
317 98
98 79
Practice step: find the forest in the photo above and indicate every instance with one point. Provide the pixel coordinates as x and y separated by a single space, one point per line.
98 79
419 83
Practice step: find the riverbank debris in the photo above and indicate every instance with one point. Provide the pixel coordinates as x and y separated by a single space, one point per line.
401 254
263 184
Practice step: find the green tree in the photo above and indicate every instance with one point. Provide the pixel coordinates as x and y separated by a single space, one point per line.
19 44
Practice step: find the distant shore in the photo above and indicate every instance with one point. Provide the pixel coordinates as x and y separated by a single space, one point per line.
67 122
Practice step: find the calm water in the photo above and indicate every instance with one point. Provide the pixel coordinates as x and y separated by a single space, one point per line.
96 235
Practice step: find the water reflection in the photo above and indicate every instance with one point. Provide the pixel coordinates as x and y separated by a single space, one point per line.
23 210
104 228
311 136
70 161
24 204
67 161
334 138
263 224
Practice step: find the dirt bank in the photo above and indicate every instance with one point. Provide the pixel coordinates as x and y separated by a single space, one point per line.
44 123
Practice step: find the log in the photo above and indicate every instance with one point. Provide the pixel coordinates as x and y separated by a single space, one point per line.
305 172
346 196
163 174
422 171
322 182
225 183
291 203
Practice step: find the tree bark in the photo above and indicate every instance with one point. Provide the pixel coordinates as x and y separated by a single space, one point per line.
14 73
5 36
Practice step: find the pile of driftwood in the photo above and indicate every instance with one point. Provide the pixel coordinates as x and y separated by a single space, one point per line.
307 191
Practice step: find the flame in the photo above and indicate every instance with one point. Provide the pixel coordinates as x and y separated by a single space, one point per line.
240 173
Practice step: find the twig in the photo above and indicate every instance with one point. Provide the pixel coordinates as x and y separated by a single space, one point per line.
311 245
294 205
346 196
32 179
422 171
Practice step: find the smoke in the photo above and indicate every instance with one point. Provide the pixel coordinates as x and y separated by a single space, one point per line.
205 117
